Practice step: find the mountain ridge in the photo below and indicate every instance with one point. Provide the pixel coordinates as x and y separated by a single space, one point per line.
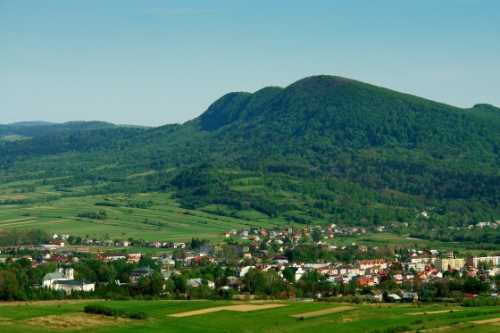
342 149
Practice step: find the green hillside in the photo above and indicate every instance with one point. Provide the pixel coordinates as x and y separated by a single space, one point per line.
324 149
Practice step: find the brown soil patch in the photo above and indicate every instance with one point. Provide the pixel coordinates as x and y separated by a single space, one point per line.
487 321
323 312
433 312
74 321
237 308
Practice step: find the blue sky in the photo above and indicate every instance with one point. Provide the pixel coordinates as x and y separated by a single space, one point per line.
156 62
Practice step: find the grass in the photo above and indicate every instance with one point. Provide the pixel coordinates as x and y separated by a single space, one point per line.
385 238
362 318
57 212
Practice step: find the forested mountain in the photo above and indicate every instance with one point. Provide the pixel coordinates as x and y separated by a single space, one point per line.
320 150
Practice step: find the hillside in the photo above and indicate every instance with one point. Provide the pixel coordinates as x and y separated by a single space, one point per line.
324 149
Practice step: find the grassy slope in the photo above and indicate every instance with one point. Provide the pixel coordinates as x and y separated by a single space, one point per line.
165 220
364 318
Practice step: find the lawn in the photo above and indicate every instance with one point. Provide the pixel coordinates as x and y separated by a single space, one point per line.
281 317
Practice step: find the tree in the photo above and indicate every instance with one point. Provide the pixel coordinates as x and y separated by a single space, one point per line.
289 274
316 235
9 286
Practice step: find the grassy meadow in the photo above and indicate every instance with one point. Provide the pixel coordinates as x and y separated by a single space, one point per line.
30 204
68 316
164 220
34 204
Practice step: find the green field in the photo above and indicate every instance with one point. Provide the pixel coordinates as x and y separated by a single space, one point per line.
164 220
384 238
361 318
34 204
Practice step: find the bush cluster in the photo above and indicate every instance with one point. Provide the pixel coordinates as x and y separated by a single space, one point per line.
107 311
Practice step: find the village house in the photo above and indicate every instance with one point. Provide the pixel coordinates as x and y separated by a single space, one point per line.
372 263
134 257
450 264
113 257
198 282
140 273
493 261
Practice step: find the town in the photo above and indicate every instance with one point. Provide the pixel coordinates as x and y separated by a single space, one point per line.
285 263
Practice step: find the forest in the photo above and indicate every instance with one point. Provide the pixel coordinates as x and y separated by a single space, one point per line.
325 149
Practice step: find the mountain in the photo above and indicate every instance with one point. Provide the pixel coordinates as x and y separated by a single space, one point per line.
323 149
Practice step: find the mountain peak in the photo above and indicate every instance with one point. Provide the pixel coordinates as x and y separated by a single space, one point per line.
485 106
323 79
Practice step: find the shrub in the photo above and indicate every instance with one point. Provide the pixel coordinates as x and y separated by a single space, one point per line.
394 329
107 311
481 301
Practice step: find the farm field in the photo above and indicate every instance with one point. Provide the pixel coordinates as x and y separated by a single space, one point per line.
247 317
32 205
163 219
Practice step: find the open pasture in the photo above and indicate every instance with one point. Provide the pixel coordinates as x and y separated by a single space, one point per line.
272 319
163 219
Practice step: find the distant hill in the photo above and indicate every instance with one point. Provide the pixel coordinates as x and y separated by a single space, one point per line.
33 139
40 128
323 149
30 123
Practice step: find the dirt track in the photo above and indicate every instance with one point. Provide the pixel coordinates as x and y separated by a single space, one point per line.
432 312
323 312
237 308
487 321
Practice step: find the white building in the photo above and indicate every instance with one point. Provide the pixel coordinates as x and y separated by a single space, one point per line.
198 282
63 279
493 261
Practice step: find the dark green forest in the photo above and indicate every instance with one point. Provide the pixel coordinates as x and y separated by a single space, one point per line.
325 149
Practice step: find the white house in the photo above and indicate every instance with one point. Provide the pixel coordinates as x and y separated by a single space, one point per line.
195 283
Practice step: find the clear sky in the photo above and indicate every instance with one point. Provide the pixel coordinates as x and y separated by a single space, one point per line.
155 62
